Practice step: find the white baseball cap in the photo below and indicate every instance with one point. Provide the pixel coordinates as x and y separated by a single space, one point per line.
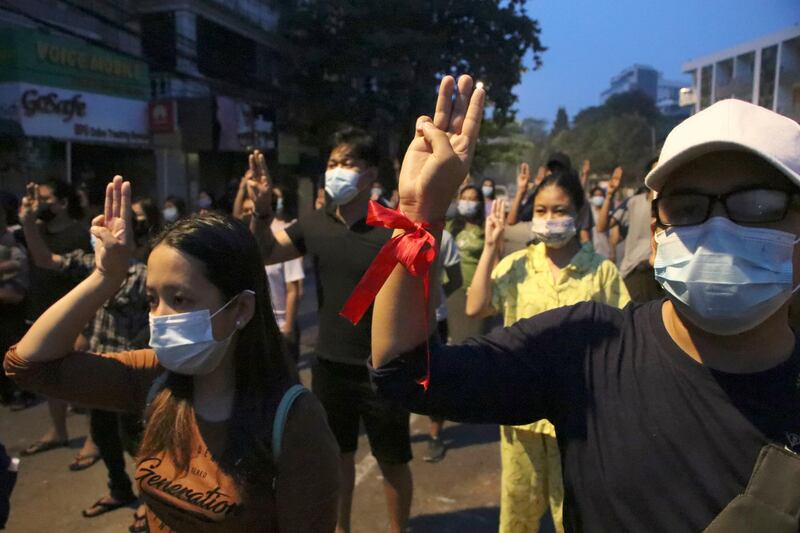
731 125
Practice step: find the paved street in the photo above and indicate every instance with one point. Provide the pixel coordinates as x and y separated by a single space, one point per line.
460 494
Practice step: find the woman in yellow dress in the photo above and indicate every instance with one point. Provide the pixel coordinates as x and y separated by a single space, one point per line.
553 271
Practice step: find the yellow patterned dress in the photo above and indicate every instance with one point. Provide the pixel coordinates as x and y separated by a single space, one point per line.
523 286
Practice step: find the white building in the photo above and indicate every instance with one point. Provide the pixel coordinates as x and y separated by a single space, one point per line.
646 79
765 71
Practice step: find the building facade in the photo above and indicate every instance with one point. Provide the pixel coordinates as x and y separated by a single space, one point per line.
169 93
647 80
765 71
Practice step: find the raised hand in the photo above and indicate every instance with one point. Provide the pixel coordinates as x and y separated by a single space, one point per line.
259 184
541 172
439 156
587 166
616 179
495 224
112 230
523 178
30 204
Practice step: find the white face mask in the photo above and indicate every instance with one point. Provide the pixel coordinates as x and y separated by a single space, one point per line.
170 214
487 190
725 278
598 201
554 233
467 208
184 343
341 185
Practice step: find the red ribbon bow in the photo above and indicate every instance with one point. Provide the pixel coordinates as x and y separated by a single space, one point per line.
415 250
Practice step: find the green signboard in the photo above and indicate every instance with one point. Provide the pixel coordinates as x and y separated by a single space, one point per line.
39 58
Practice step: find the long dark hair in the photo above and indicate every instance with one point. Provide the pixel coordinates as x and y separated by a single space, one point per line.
568 181
460 221
263 369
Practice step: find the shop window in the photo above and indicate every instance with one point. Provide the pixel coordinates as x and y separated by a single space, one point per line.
766 87
224 54
158 40
706 74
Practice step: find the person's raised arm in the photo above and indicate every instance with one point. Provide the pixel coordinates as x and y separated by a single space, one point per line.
435 164
523 178
52 335
585 169
479 296
241 195
603 221
275 247
40 254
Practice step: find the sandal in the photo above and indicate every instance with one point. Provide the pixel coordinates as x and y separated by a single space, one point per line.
139 521
102 507
82 462
43 446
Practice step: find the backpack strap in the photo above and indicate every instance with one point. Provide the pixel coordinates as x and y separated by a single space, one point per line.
155 388
281 415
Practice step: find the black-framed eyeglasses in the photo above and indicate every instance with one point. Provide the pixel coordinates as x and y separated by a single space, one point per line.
746 206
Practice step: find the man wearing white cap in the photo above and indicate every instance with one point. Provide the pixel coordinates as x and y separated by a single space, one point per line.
668 412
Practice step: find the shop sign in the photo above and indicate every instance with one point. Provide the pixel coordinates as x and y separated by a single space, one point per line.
242 127
77 116
162 116
55 61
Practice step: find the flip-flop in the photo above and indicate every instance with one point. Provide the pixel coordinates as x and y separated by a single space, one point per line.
133 528
82 462
43 446
105 507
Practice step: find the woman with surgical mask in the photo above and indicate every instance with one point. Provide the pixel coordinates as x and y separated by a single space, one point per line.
554 270
226 420
467 230
597 197
489 195
174 208
205 202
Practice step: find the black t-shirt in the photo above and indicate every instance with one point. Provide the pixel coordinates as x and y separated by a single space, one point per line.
341 256
49 286
650 439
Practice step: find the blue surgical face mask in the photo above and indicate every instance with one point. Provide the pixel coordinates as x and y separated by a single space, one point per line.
184 343
725 278
341 185
554 233
467 208
487 190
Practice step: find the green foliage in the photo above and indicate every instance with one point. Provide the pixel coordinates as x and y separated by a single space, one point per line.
622 131
377 64
561 123
505 145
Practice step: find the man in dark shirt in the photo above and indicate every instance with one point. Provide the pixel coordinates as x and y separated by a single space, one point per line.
661 409
52 211
343 246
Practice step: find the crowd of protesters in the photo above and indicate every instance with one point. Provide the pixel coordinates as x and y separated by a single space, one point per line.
641 366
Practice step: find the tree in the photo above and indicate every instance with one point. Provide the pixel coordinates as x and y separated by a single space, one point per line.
505 145
561 123
377 64
621 131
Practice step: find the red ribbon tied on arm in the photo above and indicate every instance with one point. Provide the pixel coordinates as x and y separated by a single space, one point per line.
415 250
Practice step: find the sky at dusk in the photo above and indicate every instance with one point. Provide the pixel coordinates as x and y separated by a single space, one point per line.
589 41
